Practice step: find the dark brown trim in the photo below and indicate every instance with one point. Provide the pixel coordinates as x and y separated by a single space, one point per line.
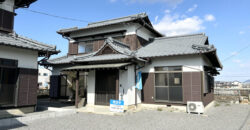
121 32
117 86
8 63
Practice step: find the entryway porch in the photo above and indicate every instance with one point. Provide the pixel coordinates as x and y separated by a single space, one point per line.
102 82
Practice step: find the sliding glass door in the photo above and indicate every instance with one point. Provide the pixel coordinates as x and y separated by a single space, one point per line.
168 84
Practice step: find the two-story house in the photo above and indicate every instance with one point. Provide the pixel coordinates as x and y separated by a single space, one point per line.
18 60
109 54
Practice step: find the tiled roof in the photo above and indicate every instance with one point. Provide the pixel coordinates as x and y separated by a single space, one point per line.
177 45
106 57
26 43
107 22
121 20
159 47
121 48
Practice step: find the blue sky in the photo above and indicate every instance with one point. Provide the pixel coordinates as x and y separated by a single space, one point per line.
226 22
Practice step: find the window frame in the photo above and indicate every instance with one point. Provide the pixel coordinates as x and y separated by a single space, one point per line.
85 44
168 86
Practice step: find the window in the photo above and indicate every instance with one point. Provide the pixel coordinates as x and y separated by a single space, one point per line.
8 62
85 47
45 74
168 83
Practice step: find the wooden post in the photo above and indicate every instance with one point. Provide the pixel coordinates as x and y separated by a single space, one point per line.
77 89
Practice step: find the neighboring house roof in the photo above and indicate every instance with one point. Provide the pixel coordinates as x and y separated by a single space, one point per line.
176 45
159 47
140 18
179 45
26 43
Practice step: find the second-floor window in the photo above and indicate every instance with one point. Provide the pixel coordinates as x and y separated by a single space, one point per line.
84 47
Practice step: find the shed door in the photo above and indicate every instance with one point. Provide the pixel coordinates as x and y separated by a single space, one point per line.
106 86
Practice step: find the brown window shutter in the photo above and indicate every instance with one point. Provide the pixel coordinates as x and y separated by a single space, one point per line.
148 87
6 20
192 83
73 48
27 91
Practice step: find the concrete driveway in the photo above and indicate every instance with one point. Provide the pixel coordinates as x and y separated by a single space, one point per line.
223 116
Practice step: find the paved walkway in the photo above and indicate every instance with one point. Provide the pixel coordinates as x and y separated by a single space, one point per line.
224 116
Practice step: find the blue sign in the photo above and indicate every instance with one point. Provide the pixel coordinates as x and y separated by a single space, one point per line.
139 81
116 105
116 102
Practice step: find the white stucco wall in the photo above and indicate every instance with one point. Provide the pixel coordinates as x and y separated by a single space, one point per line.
127 85
205 61
7 5
26 58
190 63
144 33
91 88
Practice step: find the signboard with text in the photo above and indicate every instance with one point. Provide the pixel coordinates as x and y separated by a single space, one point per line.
116 105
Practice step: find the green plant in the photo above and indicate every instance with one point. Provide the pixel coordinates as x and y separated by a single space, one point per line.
216 104
159 109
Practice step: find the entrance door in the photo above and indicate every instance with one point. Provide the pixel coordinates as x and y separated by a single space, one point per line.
106 86
8 81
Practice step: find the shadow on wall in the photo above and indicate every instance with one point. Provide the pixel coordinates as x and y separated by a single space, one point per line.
8 120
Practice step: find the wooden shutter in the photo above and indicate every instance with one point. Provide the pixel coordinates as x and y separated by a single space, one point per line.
192 83
55 83
6 20
27 91
148 87
73 49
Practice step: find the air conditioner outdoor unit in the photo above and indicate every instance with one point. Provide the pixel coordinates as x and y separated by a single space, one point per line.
195 107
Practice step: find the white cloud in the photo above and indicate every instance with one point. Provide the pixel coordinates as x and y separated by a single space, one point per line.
156 19
192 8
176 25
237 61
245 65
167 11
242 32
234 53
169 2
112 1
209 17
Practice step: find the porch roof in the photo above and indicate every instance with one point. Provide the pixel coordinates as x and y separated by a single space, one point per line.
97 66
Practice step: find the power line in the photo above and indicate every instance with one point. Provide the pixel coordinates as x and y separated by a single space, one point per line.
237 52
56 16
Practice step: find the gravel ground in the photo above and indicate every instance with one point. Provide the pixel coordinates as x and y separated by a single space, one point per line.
221 117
